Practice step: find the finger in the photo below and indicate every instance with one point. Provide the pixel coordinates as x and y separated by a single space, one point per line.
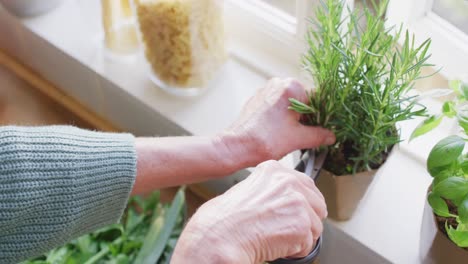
295 89
316 226
312 194
305 186
315 201
306 246
308 182
313 137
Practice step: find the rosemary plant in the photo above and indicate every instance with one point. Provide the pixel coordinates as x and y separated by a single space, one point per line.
362 79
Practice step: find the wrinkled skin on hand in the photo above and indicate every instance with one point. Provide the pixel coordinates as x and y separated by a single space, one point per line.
275 131
276 212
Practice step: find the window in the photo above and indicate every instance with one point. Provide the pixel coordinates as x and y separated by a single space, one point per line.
268 35
445 22
455 12
289 7
265 33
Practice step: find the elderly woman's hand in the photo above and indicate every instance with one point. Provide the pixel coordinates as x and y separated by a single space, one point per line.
266 129
276 212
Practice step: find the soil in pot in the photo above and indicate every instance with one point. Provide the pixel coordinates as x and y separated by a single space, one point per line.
339 163
451 221
342 189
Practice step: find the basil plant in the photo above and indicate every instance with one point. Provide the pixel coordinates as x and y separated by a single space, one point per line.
448 165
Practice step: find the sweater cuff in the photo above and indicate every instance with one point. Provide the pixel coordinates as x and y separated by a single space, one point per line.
102 189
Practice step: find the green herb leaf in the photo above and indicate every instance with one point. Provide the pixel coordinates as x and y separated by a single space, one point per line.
463 210
462 226
121 259
117 243
160 232
462 116
94 259
445 152
133 219
455 85
464 90
441 173
448 109
427 125
300 107
439 206
458 237
464 166
453 188
59 255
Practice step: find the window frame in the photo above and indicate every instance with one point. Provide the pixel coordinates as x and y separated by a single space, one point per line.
267 39
449 45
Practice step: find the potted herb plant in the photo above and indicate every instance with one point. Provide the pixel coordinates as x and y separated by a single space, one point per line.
362 78
444 232
147 235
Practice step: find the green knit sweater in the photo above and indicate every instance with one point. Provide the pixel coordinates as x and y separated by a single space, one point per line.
57 183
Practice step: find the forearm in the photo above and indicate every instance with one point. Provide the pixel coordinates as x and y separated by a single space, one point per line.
171 161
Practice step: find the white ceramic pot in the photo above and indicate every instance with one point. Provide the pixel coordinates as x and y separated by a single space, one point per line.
25 8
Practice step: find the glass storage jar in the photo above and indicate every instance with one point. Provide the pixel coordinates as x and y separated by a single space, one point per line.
120 31
183 42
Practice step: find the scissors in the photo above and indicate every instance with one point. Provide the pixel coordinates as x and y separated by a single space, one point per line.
310 164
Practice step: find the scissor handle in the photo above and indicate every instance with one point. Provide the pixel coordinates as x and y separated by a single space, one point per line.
313 255
301 166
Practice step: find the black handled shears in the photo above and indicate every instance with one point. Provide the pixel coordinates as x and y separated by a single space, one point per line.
310 164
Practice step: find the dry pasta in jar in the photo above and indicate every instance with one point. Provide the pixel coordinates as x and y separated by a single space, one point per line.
183 39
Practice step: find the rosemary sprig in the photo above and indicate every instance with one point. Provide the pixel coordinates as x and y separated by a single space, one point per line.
362 80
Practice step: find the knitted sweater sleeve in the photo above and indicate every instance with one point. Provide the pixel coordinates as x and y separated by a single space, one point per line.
57 183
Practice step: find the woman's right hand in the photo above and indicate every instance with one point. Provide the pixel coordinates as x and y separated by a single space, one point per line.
276 212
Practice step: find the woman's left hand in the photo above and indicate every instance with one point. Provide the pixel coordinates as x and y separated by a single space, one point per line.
267 128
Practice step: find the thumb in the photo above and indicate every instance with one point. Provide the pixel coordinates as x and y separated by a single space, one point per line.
314 136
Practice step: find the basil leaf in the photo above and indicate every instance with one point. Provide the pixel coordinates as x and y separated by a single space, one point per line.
457 236
427 125
453 188
439 206
464 165
445 152
462 226
463 210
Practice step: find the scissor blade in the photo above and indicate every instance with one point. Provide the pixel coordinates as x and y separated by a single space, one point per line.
310 164
315 163
319 161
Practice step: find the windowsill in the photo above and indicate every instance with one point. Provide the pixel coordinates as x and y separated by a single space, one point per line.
121 91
